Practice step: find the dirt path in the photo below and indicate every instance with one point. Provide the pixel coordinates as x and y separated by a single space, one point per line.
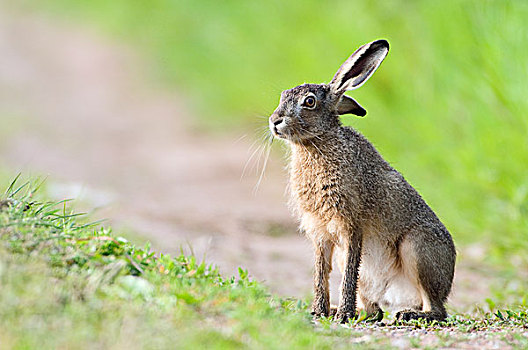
82 110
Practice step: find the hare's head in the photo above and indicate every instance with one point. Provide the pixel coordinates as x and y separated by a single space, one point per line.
310 110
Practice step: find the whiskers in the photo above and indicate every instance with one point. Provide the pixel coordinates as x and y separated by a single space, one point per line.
267 146
260 149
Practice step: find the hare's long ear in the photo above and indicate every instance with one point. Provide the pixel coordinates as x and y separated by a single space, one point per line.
359 66
347 105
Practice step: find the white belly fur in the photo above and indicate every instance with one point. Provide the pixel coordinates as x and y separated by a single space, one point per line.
388 278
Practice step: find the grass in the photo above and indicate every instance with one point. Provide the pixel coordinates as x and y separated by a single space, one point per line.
71 284
448 107
68 283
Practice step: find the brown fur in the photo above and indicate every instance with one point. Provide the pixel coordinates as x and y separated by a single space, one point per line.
350 200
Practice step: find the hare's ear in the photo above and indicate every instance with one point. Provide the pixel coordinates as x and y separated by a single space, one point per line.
359 66
347 105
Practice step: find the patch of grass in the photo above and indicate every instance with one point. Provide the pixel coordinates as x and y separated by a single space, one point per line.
68 283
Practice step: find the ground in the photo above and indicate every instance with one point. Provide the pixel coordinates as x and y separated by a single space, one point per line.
85 111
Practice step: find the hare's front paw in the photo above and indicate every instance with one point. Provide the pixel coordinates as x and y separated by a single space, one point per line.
320 308
344 315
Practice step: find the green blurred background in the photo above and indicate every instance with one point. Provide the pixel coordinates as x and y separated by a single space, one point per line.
448 108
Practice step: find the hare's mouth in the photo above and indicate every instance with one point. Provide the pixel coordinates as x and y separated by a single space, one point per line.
277 133
281 134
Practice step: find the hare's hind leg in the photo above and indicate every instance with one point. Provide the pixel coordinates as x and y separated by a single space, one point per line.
428 259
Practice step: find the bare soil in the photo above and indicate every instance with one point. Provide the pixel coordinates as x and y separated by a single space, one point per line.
85 111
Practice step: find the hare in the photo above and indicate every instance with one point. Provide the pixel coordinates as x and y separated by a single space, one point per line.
393 251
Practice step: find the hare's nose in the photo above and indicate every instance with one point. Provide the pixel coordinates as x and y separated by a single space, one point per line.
276 124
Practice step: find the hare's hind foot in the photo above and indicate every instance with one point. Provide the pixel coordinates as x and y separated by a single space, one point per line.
429 316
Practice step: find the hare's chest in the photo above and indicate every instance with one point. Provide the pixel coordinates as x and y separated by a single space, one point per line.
316 190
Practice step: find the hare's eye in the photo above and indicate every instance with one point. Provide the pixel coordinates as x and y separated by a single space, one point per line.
309 102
